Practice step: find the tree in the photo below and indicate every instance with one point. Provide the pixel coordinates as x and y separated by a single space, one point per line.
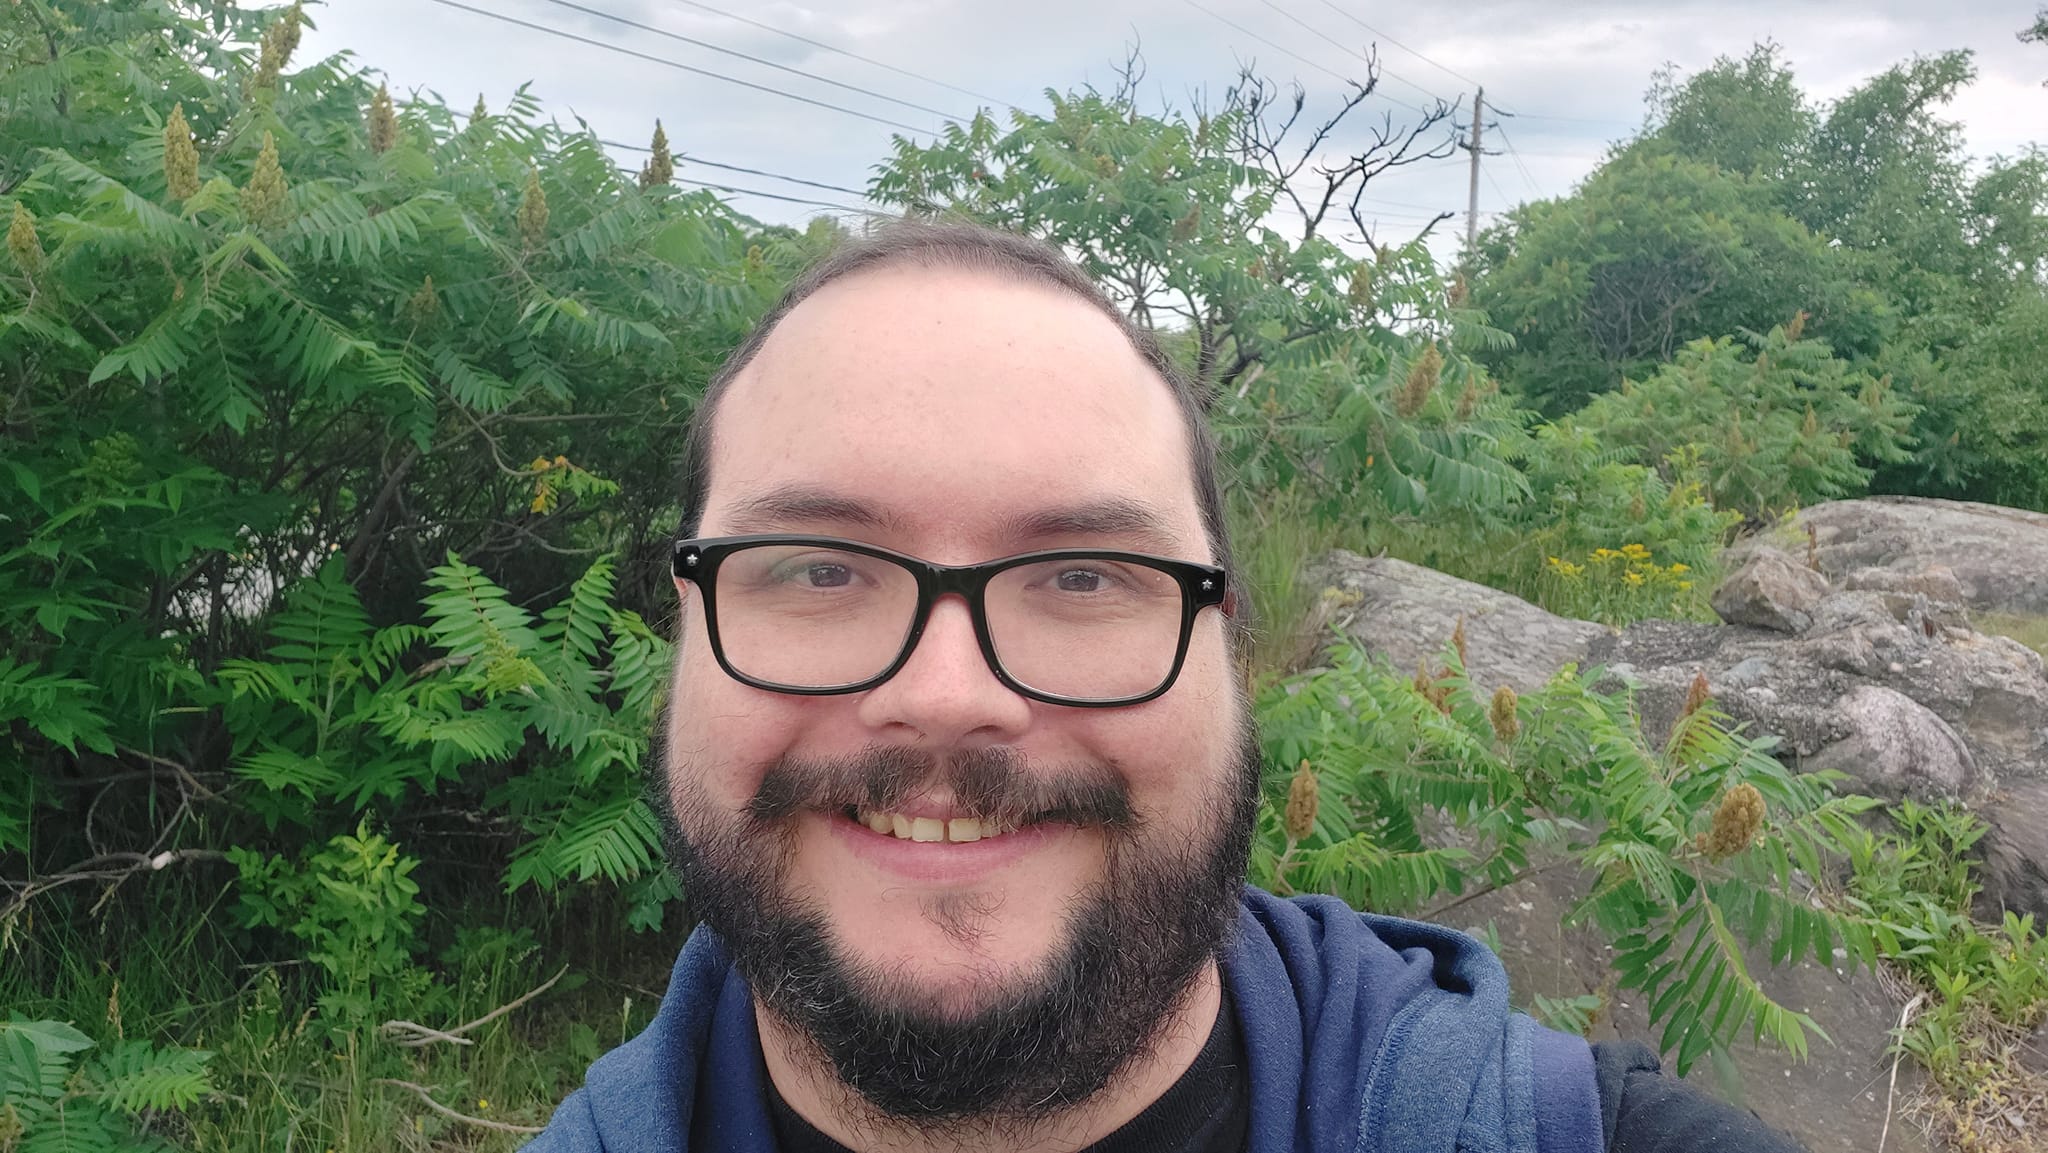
265 376
1655 250
1771 422
1216 229
1745 116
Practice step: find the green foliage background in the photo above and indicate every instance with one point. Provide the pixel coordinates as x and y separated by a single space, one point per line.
336 445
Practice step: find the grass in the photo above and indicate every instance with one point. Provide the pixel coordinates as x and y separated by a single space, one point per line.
2031 631
155 964
1277 537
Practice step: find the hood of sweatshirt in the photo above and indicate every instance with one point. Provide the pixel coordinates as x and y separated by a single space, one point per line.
1361 1033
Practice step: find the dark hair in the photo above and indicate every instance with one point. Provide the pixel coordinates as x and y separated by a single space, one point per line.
972 248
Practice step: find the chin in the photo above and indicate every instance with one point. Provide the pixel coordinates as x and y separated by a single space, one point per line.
951 952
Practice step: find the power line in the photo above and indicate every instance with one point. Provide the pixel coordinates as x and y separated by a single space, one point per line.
1341 79
692 158
1369 61
677 36
802 39
1516 155
689 159
738 191
1460 75
1396 43
1505 199
678 65
1567 119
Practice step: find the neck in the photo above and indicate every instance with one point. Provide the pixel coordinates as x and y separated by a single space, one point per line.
806 1082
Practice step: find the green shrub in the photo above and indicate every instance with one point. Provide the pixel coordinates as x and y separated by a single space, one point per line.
1981 989
54 1097
1693 848
1776 420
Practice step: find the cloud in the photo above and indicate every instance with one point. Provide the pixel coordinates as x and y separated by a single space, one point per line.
1574 72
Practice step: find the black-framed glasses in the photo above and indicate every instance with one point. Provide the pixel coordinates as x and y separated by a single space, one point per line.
816 615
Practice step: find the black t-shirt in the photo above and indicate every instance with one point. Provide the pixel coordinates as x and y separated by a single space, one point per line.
1209 1109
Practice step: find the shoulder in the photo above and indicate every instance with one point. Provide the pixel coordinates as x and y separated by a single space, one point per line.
573 1129
1642 1110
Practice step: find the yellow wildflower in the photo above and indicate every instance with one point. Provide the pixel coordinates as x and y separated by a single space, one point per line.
1679 568
1633 577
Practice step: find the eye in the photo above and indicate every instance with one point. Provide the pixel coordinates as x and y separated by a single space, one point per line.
1079 580
826 576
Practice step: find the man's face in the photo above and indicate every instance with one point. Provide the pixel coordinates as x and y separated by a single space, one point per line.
957 417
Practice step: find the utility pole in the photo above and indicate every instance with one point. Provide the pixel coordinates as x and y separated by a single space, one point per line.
1472 211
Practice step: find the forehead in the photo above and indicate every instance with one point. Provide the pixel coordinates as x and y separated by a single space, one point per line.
958 404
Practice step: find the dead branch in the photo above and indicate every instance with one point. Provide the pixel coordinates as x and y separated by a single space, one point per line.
183 771
114 867
1266 139
452 1115
412 1035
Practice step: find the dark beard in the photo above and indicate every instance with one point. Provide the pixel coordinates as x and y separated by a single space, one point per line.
1133 944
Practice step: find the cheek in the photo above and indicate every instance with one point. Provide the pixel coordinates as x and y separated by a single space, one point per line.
721 734
1176 751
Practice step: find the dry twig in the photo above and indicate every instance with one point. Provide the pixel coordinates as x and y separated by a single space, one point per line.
452 1115
1892 1093
413 1035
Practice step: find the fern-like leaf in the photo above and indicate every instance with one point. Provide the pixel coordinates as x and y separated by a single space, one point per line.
135 1075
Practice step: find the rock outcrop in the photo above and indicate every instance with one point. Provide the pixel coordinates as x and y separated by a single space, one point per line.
1864 661
1406 613
1769 591
1997 558
1849 637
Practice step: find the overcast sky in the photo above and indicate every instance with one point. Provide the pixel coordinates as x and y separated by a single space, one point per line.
1573 71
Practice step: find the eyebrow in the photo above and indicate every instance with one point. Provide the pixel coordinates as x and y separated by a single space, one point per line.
1116 517
1112 517
780 507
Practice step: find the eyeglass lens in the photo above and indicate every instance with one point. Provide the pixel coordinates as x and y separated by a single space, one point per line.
807 616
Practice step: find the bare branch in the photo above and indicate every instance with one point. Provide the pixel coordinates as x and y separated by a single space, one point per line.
452 1115
102 867
412 1035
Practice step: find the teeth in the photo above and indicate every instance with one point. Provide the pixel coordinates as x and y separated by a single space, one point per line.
932 830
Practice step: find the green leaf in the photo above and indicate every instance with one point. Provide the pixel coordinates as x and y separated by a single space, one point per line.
135 1075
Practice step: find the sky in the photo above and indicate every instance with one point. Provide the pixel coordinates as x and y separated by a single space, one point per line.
1572 72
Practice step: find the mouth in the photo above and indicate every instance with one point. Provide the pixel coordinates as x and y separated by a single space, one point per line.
930 830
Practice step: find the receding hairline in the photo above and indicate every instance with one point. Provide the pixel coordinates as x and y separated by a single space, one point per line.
1020 267
847 287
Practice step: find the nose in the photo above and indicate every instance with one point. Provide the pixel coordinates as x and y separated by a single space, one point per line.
946 693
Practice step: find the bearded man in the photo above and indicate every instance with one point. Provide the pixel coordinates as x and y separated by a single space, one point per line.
960 777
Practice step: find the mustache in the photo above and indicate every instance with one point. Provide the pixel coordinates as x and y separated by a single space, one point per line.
995 783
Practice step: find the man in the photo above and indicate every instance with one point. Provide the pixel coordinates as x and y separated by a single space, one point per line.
959 773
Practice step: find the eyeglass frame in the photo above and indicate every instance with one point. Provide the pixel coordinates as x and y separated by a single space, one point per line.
1201 586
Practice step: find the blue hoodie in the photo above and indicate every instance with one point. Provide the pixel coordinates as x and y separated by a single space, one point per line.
1363 1034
